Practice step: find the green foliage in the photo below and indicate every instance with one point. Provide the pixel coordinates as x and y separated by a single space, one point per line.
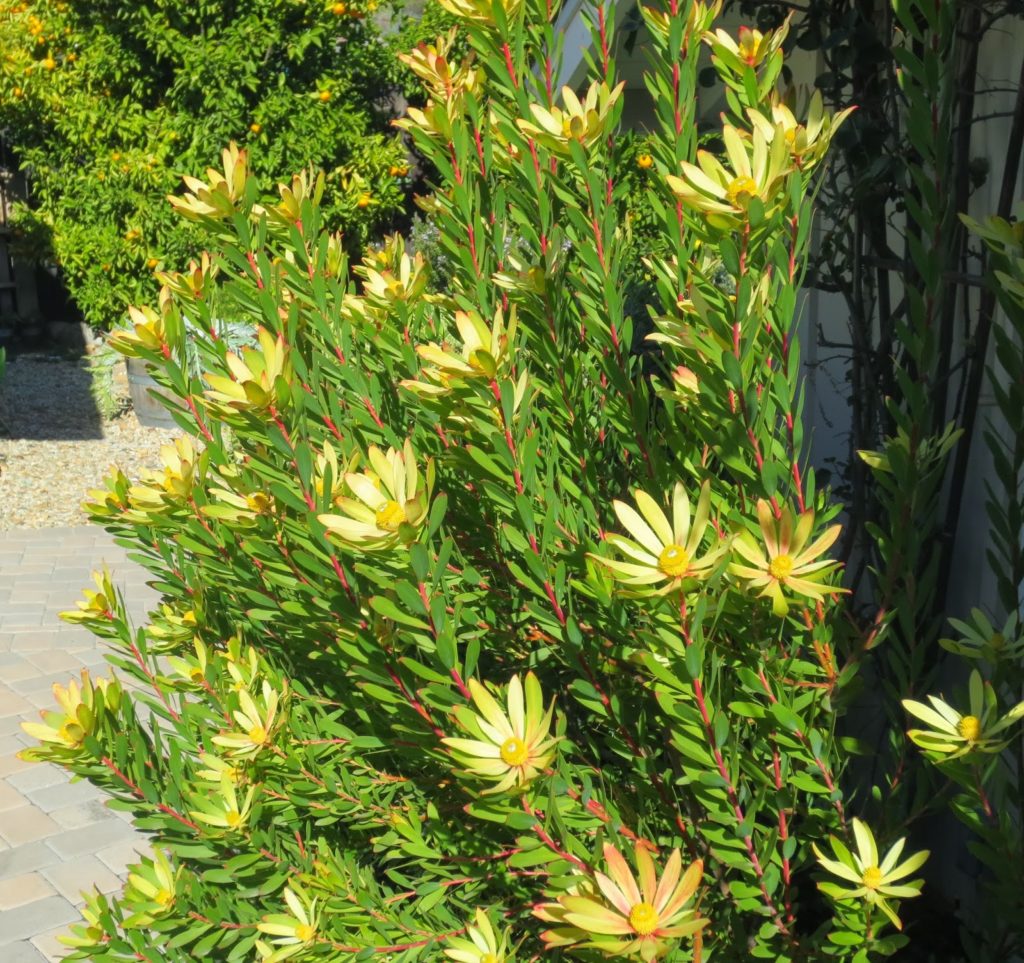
463 598
109 103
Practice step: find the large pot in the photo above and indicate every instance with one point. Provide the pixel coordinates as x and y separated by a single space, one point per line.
143 390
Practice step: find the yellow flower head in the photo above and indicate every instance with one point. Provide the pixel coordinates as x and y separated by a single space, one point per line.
873 879
750 49
82 708
257 380
484 355
215 197
390 275
758 166
661 553
99 608
148 333
508 747
482 11
954 734
293 930
430 63
481 944
617 915
389 504
583 121
807 144
222 810
702 15
150 890
168 489
257 721
784 560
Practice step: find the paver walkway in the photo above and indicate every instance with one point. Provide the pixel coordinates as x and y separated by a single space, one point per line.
56 838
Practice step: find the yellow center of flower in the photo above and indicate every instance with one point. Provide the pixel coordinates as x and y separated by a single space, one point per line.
872 877
232 817
514 752
196 674
674 560
164 897
741 190
390 516
257 735
304 932
643 918
781 567
489 958
969 728
258 502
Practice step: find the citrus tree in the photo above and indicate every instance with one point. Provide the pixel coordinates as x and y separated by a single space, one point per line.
107 104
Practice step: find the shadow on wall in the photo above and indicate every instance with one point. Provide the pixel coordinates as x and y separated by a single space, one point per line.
48 396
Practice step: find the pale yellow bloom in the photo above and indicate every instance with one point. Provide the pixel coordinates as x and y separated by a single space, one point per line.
223 810
750 49
874 881
293 931
216 197
784 560
619 915
485 353
150 890
257 380
512 747
954 734
583 121
82 707
482 11
390 501
807 143
257 722
481 944
663 553
758 166
170 487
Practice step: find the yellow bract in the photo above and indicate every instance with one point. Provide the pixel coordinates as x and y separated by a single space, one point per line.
388 503
619 915
758 165
481 944
511 747
482 11
151 890
257 721
954 734
217 196
784 559
81 706
292 931
872 879
485 353
661 553
390 275
583 121
258 380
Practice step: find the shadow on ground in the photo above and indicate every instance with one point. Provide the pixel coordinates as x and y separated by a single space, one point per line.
47 396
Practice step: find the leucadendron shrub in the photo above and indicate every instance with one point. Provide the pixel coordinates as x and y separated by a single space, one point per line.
484 635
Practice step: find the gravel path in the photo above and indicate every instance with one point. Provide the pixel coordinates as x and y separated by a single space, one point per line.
54 446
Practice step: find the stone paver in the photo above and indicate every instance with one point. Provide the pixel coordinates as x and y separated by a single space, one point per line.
57 838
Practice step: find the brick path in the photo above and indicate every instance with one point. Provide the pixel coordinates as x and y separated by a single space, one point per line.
56 838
